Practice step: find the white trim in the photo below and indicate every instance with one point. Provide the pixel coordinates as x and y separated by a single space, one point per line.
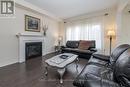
35 8
30 34
24 38
10 63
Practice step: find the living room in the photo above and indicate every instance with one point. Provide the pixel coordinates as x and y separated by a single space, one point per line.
64 43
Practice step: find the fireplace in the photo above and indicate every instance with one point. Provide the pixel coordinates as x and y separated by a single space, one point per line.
33 49
28 38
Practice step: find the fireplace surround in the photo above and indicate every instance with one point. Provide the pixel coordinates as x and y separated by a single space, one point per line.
27 38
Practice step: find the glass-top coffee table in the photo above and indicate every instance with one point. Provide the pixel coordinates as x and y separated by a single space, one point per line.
60 62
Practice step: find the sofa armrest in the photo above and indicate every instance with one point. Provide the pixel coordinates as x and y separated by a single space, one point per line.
101 57
63 47
93 49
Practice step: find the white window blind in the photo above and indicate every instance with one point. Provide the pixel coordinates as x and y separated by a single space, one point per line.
86 30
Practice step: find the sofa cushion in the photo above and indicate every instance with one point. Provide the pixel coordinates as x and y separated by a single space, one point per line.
78 51
83 51
70 49
84 44
92 44
72 44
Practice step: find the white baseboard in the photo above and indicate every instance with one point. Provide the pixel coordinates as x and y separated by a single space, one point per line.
48 53
8 64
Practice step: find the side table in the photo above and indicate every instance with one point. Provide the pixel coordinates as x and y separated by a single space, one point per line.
58 48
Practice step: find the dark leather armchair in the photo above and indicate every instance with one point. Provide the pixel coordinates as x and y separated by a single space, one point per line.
106 71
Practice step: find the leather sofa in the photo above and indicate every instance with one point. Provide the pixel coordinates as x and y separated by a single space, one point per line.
106 71
73 47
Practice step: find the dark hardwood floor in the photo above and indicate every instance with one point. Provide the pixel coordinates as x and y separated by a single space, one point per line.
31 74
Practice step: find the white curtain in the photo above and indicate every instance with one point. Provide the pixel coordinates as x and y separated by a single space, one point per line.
89 29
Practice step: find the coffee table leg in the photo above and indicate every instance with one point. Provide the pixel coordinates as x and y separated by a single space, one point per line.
77 60
46 70
61 72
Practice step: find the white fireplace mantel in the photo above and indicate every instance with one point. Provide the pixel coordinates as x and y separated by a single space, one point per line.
24 38
29 34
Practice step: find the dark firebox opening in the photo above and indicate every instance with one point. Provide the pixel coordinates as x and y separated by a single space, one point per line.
33 49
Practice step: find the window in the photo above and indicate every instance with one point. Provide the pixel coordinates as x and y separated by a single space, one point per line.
85 31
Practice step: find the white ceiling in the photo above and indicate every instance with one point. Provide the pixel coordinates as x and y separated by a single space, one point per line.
70 8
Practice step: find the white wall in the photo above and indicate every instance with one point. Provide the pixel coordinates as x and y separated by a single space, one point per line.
62 32
109 23
9 27
124 31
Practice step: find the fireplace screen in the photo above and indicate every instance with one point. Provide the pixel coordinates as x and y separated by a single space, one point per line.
33 49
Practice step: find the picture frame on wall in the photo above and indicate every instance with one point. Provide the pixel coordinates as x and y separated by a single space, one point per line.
32 24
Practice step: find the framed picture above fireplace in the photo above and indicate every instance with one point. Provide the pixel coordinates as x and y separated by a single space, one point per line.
32 24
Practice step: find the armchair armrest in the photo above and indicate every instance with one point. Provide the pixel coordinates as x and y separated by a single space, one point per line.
101 57
93 49
91 80
100 83
124 81
95 81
